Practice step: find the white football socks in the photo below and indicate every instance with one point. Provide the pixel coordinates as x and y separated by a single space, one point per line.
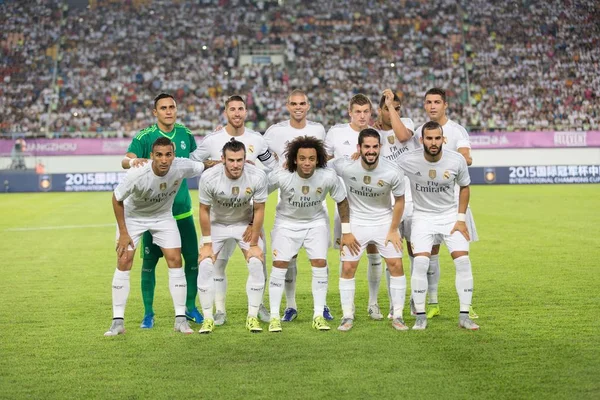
220 287
347 289
398 294
319 289
206 287
120 292
178 289
418 282
290 284
464 282
433 278
374 272
276 284
255 285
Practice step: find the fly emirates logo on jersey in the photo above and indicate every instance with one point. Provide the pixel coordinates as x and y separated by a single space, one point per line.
234 200
436 183
369 188
163 194
306 197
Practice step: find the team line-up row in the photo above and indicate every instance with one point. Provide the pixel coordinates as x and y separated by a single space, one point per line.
389 183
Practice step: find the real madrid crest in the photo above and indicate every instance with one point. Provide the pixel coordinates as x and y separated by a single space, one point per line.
248 191
432 173
235 190
183 146
251 148
319 190
175 183
446 174
380 183
367 179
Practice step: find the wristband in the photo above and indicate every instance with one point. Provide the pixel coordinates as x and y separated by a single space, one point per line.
462 217
346 228
206 240
131 162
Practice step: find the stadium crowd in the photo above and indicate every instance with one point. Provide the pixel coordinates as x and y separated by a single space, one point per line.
528 65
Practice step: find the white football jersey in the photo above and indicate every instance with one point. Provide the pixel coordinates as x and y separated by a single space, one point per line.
341 141
455 136
231 199
301 200
256 147
434 184
279 135
369 191
147 195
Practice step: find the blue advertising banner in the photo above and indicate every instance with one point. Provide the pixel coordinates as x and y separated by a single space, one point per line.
16 182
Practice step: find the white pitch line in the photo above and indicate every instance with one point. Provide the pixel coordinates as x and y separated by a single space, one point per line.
48 228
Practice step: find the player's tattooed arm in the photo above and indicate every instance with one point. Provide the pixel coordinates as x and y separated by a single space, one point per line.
348 240
211 163
344 210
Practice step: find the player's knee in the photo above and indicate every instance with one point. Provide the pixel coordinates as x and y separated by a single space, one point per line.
173 260
435 249
319 263
457 254
255 268
280 264
394 265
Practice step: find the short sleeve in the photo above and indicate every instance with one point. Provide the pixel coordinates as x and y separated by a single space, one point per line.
337 191
398 188
204 191
463 178
261 189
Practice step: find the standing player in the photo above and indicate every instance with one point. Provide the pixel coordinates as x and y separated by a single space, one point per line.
369 182
256 149
165 111
341 142
143 202
391 149
456 138
278 136
232 196
434 174
301 221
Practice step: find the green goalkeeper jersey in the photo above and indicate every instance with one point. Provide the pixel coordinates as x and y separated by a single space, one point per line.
141 146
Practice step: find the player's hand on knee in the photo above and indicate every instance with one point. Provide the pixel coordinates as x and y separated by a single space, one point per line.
123 244
461 227
350 242
206 251
255 251
395 239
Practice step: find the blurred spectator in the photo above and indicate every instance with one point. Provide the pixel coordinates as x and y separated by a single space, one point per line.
530 64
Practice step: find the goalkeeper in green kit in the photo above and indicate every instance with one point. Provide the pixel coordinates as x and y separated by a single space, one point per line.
138 153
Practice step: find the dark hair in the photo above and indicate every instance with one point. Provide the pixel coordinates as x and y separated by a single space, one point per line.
162 96
235 97
382 100
360 100
368 132
234 146
163 141
305 142
432 126
438 91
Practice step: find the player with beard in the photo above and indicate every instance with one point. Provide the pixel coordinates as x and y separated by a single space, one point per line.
456 139
256 149
369 182
434 174
232 197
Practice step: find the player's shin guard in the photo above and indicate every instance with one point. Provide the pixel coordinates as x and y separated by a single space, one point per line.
178 289
148 283
464 282
255 286
220 288
347 289
290 284
319 290
120 292
206 287
374 272
276 283
398 294
433 278
191 278
418 282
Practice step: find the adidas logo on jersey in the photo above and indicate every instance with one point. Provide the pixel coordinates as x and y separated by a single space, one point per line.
347 143
418 173
222 193
293 191
353 179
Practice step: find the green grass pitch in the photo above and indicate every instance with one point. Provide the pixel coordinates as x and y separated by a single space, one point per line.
536 291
